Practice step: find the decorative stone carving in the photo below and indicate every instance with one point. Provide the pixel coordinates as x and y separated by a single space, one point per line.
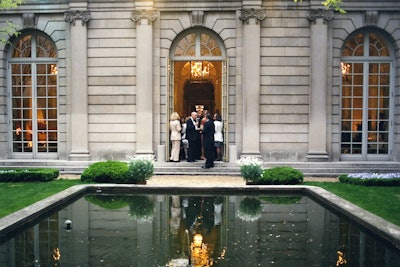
71 16
326 15
139 15
197 17
371 17
246 14
29 20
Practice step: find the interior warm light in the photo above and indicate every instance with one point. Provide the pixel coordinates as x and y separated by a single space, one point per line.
53 69
197 240
56 255
341 260
345 68
199 70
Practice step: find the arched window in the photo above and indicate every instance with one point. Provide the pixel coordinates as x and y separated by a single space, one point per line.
197 43
32 74
367 71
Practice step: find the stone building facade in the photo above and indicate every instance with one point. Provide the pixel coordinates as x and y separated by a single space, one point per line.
96 80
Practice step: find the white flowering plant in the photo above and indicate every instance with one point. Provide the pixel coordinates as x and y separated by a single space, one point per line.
250 209
140 167
371 179
250 168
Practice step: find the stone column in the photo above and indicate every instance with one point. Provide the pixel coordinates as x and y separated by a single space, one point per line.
79 82
251 80
318 84
144 80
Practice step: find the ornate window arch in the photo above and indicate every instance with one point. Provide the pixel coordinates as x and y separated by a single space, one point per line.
198 43
366 98
32 82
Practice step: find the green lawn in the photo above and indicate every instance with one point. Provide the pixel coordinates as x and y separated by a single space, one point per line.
15 196
382 201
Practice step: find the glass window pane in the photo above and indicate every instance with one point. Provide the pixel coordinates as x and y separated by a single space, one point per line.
43 92
377 98
186 46
22 48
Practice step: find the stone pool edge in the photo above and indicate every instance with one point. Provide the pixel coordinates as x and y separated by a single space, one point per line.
13 222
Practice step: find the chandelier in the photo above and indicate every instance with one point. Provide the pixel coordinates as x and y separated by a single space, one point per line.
199 70
345 68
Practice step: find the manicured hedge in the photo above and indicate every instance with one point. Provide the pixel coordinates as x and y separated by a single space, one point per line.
106 172
395 181
281 176
28 175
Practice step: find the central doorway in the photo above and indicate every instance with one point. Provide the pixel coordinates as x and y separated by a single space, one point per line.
197 93
197 78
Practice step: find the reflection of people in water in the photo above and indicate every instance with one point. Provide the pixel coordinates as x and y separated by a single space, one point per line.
200 214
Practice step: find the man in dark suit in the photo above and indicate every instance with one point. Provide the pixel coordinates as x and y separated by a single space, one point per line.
193 137
208 141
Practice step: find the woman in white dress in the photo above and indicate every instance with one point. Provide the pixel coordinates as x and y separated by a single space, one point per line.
218 136
175 127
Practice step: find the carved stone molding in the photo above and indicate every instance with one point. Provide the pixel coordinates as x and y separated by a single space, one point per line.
71 16
246 14
139 15
29 20
326 15
371 18
197 17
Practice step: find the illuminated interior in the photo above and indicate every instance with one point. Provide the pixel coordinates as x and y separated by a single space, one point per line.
365 96
34 94
197 82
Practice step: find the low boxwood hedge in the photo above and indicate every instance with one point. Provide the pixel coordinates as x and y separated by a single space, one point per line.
281 176
28 175
106 172
370 181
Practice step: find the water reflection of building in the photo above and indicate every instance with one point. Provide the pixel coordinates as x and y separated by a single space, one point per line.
295 233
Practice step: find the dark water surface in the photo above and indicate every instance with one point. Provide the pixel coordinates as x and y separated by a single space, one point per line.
207 230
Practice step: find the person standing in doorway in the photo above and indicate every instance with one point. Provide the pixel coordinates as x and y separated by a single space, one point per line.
192 135
218 136
175 127
208 141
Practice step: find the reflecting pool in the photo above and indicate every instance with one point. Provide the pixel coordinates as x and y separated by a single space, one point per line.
202 230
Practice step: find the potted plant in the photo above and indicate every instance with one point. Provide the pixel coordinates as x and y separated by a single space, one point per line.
140 168
141 208
249 209
250 169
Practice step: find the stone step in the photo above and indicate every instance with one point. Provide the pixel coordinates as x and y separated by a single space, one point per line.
321 169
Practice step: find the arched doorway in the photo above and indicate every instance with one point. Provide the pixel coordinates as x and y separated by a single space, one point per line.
32 83
366 96
198 76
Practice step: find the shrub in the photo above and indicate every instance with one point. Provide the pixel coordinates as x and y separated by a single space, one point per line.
281 176
371 179
106 172
28 175
140 168
249 209
250 169
141 208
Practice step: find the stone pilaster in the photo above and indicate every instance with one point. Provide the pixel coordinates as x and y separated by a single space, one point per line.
317 141
79 83
144 79
251 80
